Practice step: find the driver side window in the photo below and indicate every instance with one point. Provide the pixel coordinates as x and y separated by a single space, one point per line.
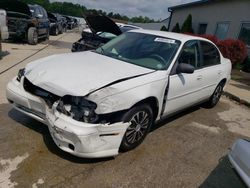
190 54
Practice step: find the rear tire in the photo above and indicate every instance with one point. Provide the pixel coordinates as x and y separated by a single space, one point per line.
56 31
47 35
141 118
32 36
214 99
65 29
60 31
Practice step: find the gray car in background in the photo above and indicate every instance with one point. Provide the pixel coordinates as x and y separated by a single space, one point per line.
239 157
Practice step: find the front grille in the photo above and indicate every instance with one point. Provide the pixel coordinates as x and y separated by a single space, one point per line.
17 26
48 97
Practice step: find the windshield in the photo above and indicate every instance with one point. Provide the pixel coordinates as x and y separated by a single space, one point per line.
141 49
34 10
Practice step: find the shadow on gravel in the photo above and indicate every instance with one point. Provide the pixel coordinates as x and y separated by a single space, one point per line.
43 130
60 44
24 42
173 117
220 107
223 176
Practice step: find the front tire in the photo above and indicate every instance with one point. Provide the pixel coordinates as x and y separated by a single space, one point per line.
141 119
47 35
32 36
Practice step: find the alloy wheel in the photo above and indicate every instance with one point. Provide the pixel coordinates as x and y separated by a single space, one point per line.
138 128
217 94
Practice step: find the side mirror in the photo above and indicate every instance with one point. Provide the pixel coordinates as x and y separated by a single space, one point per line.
185 68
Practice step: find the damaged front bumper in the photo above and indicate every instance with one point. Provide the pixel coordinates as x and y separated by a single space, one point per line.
75 137
85 139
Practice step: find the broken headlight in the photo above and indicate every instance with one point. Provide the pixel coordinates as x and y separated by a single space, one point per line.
20 74
78 108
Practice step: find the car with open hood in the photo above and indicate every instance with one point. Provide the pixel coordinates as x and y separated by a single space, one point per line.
71 22
96 103
26 22
101 30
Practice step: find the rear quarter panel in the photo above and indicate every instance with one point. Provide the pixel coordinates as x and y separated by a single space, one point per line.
227 68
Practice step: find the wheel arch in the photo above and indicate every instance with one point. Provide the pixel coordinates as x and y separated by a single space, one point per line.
152 102
223 81
30 25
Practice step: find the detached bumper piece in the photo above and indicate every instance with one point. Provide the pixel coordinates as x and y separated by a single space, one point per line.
239 157
75 137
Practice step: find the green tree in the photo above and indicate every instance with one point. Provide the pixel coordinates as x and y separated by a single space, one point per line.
77 10
176 28
163 28
187 25
110 14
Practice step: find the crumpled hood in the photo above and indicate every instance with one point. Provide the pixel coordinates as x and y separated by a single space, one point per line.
78 74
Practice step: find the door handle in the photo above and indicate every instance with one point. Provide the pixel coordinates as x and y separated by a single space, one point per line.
199 77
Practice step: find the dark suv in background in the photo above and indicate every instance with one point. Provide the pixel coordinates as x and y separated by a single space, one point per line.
71 22
29 22
58 24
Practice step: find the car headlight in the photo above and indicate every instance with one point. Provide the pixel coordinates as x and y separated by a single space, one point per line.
78 108
20 74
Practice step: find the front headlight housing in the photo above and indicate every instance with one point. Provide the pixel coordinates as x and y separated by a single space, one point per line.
78 108
20 74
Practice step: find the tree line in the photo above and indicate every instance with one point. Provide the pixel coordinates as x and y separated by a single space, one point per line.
77 10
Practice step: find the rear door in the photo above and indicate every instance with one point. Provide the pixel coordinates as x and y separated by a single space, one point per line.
210 68
188 89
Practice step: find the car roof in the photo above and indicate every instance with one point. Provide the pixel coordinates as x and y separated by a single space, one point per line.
127 25
34 5
177 36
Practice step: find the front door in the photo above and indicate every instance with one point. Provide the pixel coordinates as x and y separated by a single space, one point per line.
185 89
42 19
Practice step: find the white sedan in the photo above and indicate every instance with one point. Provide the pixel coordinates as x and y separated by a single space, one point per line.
97 103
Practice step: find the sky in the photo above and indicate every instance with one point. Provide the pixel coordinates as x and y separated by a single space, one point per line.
156 9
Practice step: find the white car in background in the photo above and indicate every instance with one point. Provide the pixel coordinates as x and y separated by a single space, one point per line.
101 30
127 27
98 102
122 26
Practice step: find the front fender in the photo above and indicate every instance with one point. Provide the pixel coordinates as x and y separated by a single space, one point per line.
123 96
